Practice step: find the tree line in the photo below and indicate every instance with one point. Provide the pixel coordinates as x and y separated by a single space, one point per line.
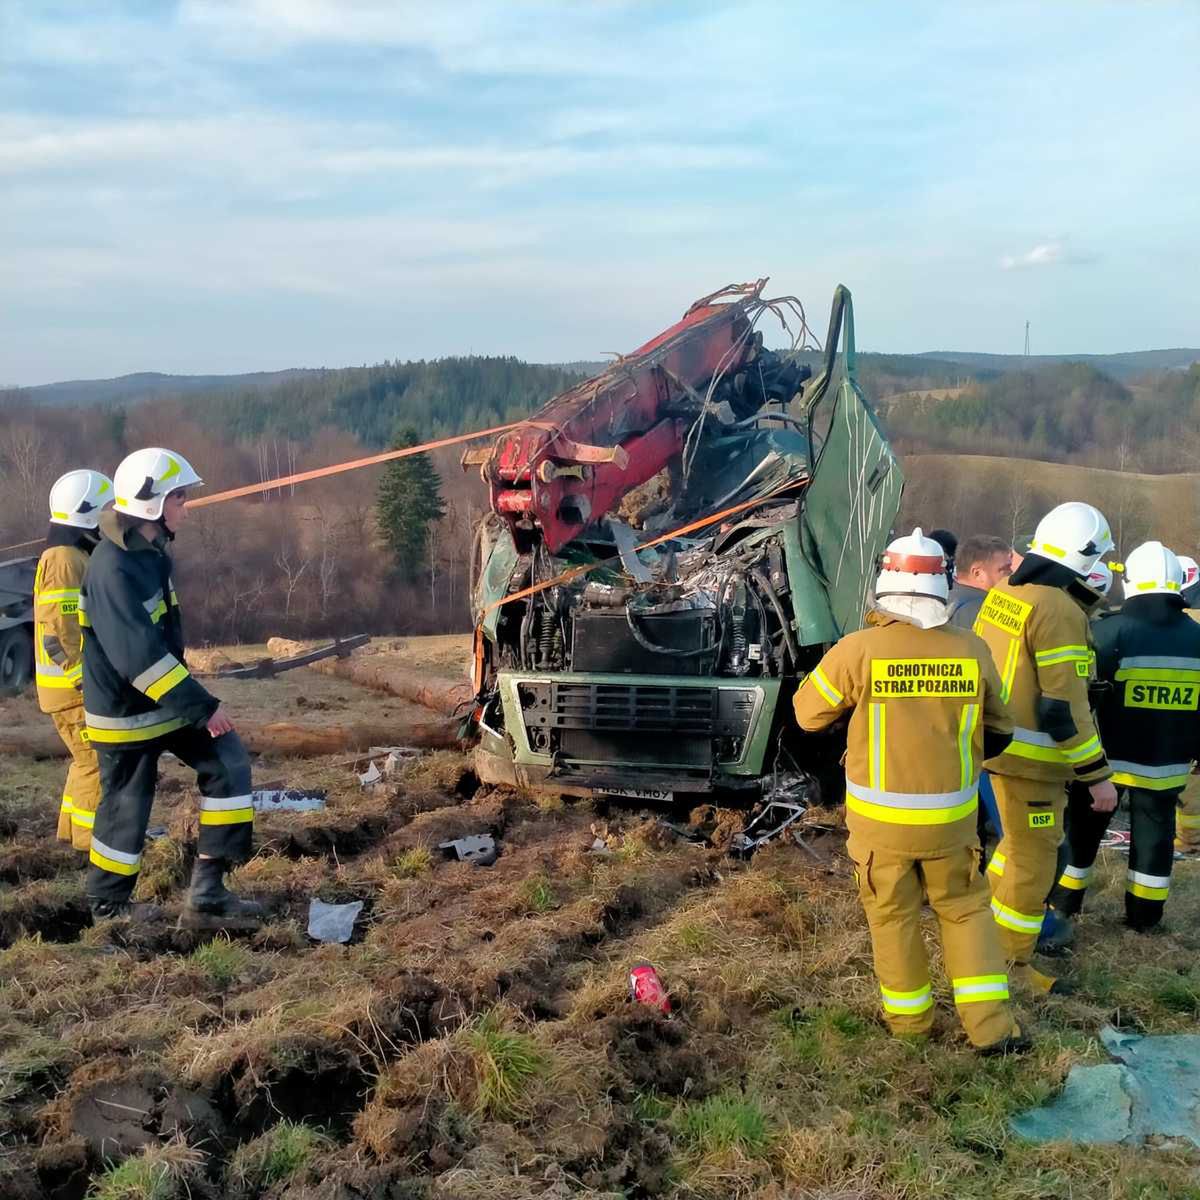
387 550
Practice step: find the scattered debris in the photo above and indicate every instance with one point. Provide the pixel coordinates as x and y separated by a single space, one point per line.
776 816
646 988
479 849
287 800
268 668
332 922
394 758
1152 1091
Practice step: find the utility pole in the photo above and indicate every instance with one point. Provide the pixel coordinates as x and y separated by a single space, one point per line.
1026 339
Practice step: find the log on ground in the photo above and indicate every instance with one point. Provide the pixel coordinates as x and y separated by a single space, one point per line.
385 673
281 738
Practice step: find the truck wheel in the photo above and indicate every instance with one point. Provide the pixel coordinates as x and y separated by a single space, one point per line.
16 661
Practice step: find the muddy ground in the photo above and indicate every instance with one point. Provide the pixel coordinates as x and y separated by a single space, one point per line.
475 1040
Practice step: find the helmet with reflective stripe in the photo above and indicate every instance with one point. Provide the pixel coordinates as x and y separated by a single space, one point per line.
146 477
1073 534
1191 570
1100 578
913 566
77 498
1152 570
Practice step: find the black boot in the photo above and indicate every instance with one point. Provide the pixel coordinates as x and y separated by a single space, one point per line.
210 902
132 911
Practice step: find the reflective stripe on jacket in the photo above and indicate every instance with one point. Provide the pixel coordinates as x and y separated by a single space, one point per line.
1039 639
57 660
919 701
136 686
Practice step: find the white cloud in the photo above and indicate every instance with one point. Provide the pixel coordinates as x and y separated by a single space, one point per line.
1055 252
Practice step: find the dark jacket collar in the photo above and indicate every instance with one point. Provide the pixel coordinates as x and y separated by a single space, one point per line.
1157 610
129 537
1036 569
71 535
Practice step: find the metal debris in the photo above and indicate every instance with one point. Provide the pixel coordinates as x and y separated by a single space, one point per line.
479 849
267 800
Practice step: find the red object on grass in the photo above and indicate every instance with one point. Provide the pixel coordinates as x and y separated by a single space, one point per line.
645 987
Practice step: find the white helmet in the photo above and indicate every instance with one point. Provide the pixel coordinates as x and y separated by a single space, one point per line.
1191 569
1152 570
1074 534
77 498
1100 578
146 477
913 566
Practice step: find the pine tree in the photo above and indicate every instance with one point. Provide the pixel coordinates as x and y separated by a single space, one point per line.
408 502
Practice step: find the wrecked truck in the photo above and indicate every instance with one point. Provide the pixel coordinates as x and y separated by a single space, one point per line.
671 546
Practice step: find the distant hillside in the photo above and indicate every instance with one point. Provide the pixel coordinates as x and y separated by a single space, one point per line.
983 493
1121 366
145 384
1068 412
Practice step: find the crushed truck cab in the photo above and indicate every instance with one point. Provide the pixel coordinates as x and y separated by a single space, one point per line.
699 548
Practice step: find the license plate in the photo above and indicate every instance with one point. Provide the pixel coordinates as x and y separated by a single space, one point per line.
641 794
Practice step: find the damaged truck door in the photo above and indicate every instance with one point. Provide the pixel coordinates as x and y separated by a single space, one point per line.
671 546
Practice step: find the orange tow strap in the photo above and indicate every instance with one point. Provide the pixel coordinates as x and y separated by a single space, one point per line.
575 572
252 489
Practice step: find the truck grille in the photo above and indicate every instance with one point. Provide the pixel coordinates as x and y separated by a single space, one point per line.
649 709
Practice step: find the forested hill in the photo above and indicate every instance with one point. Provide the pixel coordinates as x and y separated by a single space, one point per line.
1065 413
437 398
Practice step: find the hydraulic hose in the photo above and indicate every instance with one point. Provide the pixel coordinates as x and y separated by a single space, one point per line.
764 584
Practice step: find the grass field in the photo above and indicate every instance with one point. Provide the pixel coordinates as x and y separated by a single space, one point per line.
475 1040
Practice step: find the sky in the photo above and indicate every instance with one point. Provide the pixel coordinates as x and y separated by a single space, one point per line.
217 186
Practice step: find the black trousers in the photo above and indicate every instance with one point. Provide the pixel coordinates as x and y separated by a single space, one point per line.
1151 852
128 776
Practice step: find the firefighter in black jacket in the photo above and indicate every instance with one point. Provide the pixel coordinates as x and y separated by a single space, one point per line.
140 700
1149 717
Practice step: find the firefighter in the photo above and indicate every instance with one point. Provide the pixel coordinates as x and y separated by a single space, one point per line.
1187 820
1036 627
923 699
1149 655
75 503
141 701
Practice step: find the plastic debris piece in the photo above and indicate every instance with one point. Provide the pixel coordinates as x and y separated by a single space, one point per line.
332 922
371 775
479 849
1094 1107
1153 1091
287 800
646 988
155 832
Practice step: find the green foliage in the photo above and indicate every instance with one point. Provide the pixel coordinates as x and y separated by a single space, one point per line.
282 1151
440 397
158 1173
1065 412
724 1122
506 1066
409 501
537 895
412 863
222 960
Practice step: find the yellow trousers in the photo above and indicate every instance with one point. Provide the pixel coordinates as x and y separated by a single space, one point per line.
81 793
1187 818
1023 868
893 886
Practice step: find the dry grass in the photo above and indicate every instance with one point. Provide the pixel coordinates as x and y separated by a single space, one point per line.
517 1068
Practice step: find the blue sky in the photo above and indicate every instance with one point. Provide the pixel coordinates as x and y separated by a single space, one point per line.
217 186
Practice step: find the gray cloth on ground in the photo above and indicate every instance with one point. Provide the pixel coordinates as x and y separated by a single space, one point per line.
332 922
1153 1090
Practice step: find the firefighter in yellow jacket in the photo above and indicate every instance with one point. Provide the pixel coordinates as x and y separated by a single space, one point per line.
76 501
924 703
1187 820
1036 626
